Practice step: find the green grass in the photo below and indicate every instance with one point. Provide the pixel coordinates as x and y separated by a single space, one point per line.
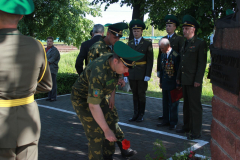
67 65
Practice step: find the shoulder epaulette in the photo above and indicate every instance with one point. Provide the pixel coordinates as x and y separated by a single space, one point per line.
175 53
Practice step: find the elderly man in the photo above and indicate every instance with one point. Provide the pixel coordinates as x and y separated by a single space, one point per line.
24 71
168 72
190 75
53 57
93 100
98 32
176 41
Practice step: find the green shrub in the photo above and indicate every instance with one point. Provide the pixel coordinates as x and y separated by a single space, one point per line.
65 82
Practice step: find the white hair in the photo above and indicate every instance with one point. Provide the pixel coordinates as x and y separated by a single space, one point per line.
164 41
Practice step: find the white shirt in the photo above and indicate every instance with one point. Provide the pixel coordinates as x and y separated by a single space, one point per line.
170 35
168 53
139 39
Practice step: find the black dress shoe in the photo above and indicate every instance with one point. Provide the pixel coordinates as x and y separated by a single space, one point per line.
48 99
191 137
52 100
134 118
181 131
139 119
163 124
172 127
160 117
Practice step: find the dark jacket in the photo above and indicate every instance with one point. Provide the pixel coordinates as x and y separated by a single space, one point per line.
193 61
53 57
176 42
140 71
84 53
168 72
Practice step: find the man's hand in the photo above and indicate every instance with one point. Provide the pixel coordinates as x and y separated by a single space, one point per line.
160 85
109 135
146 78
125 79
121 82
178 87
196 84
111 102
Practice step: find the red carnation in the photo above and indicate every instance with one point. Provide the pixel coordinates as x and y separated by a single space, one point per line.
125 143
126 74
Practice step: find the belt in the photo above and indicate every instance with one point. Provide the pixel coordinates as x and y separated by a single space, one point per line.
141 63
16 102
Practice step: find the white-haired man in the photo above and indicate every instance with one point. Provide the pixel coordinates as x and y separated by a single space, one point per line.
168 72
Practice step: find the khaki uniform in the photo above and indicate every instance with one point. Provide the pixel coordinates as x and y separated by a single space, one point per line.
176 42
95 85
191 69
22 63
98 49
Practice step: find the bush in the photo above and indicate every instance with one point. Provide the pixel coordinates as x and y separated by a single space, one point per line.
65 82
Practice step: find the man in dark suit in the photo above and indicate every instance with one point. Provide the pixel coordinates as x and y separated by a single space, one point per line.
141 73
176 41
168 72
53 57
98 32
190 75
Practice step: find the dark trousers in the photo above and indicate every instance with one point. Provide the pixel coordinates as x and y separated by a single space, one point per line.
192 109
53 93
170 110
139 88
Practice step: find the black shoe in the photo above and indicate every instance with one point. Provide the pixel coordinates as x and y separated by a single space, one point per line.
160 117
48 99
139 119
52 100
107 157
191 137
163 124
134 118
128 153
181 131
172 127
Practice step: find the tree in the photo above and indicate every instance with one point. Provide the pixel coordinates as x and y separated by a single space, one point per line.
201 10
138 8
63 19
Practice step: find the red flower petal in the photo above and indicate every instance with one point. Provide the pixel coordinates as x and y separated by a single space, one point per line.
125 144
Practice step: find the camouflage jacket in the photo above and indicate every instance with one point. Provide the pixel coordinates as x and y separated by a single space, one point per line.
98 49
97 81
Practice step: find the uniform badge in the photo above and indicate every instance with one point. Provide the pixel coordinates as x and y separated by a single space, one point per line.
169 20
96 92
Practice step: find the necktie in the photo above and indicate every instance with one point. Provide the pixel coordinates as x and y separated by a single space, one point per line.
136 42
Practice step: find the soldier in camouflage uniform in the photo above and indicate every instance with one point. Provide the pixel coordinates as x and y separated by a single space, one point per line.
106 44
93 98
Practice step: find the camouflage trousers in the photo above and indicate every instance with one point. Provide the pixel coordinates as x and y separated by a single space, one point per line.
97 144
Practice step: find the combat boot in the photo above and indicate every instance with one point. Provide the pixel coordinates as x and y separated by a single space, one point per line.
108 157
126 153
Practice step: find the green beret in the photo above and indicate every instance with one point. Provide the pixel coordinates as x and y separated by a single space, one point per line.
137 24
108 24
190 21
22 7
126 54
229 11
117 28
170 19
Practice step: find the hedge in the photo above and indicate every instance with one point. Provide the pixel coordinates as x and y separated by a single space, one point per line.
65 82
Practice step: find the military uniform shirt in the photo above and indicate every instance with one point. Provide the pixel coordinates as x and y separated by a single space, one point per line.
97 50
97 81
